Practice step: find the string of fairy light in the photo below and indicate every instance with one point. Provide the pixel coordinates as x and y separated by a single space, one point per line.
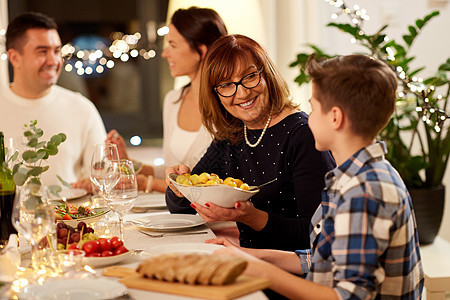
425 104
123 47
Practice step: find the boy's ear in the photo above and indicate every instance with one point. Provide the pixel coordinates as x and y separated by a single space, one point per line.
338 117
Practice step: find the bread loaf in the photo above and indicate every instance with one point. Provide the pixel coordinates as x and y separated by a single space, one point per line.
193 268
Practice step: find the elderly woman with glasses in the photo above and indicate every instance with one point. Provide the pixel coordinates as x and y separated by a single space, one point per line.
259 134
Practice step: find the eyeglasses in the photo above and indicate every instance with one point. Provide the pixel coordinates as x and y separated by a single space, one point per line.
249 81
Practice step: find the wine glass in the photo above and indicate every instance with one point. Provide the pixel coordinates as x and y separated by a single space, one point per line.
124 194
105 171
33 218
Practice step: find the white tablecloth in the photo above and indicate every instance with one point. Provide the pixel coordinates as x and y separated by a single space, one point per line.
136 240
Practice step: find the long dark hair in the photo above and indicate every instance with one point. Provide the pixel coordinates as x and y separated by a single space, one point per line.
199 26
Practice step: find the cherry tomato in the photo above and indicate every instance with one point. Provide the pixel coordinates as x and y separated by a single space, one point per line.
115 242
120 250
74 246
107 253
94 254
104 244
90 247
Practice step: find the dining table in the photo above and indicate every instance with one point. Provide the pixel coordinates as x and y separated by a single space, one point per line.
136 240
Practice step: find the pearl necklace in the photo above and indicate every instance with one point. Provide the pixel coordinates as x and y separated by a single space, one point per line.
262 133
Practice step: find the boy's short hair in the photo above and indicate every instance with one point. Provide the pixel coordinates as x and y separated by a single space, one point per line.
363 87
18 27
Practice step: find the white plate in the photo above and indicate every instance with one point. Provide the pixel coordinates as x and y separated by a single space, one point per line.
184 248
74 289
97 262
169 222
70 194
153 200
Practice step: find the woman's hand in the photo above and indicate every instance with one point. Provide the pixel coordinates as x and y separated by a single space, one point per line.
179 169
114 137
243 212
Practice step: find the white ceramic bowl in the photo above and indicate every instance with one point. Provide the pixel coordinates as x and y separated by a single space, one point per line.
220 194
98 262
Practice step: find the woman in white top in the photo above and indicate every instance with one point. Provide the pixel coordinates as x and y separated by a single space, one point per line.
185 140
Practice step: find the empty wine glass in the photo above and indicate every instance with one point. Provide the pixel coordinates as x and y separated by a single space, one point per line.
33 218
105 171
124 194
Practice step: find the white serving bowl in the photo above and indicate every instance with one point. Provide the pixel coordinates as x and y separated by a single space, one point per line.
220 194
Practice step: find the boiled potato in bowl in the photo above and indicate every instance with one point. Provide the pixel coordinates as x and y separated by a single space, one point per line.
210 188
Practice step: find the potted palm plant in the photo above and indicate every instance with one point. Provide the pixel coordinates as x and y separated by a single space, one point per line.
417 136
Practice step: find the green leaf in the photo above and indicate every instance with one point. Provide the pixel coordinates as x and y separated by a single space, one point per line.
353 30
302 78
27 133
444 67
63 137
42 153
55 189
39 132
56 139
420 23
431 15
408 39
412 30
52 149
411 74
36 180
14 156
20 176
16 168
65 183
35 171
32 142
40 145
29 155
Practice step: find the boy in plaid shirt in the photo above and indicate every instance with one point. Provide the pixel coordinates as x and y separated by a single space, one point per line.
364 241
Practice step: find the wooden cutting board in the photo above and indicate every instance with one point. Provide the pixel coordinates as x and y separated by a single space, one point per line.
244 285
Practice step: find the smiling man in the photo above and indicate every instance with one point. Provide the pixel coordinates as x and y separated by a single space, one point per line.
34 51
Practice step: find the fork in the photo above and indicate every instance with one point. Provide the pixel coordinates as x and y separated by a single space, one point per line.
157 235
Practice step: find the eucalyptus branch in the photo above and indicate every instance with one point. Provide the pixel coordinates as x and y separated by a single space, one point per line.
28 165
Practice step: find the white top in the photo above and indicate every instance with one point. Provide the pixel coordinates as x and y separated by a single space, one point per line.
185 149
63 111
179 134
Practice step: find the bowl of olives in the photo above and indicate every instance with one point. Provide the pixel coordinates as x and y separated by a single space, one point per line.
210 188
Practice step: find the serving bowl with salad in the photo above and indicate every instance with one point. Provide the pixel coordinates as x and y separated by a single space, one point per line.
72 214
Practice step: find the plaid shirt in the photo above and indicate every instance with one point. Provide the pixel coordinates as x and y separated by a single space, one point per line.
363 238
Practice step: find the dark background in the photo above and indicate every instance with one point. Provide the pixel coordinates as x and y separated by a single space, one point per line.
147 80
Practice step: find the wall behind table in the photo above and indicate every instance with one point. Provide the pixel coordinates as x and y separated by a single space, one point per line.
299 22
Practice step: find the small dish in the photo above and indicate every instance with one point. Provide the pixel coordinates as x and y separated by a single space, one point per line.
220 194
69 194
169 222
71 289
98 262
